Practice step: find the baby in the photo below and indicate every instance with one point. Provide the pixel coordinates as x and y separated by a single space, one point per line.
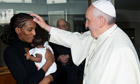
37 54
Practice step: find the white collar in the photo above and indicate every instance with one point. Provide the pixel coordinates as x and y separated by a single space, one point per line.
107 33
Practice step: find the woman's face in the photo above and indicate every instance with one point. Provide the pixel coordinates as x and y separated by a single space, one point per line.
27 32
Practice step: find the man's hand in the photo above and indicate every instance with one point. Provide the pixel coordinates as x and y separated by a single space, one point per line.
40 21
63 59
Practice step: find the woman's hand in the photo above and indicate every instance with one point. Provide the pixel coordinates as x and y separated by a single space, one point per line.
50 59
49 55
46 80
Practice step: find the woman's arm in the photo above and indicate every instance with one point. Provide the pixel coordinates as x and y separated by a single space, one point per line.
50 59
24 71
18 67
46 80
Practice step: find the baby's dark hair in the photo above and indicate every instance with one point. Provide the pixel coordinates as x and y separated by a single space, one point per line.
18 20
38 40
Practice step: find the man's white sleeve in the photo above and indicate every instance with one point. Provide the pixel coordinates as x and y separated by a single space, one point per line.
78 43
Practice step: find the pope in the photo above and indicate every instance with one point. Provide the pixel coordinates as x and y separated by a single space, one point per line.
110 55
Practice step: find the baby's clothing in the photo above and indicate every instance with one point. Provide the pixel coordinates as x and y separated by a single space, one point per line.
42 51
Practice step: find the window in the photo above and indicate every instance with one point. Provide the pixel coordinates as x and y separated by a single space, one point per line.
56 1
16 1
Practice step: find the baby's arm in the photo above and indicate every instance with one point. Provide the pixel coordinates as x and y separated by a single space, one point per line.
35 59
38 58
29 56
33 56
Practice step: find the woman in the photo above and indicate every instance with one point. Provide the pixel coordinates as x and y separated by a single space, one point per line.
19 36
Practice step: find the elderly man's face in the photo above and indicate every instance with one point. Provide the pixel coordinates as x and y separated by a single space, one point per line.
62 25
92 21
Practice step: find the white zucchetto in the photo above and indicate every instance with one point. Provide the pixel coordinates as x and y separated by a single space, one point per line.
105 6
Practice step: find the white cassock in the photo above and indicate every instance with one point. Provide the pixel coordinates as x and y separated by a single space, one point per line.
110 59
42 51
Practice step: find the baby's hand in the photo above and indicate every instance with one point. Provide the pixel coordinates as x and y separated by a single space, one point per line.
28 56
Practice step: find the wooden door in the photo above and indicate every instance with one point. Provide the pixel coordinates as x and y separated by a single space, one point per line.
89 2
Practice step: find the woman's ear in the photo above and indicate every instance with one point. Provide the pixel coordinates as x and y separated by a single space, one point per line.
17 30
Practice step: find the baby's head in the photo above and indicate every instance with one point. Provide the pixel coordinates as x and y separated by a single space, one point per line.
38 41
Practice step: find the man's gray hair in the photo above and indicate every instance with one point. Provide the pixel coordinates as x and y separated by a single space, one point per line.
109 19
64 21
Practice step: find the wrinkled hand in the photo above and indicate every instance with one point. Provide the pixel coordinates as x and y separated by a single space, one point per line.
46 80
63 59
40 21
